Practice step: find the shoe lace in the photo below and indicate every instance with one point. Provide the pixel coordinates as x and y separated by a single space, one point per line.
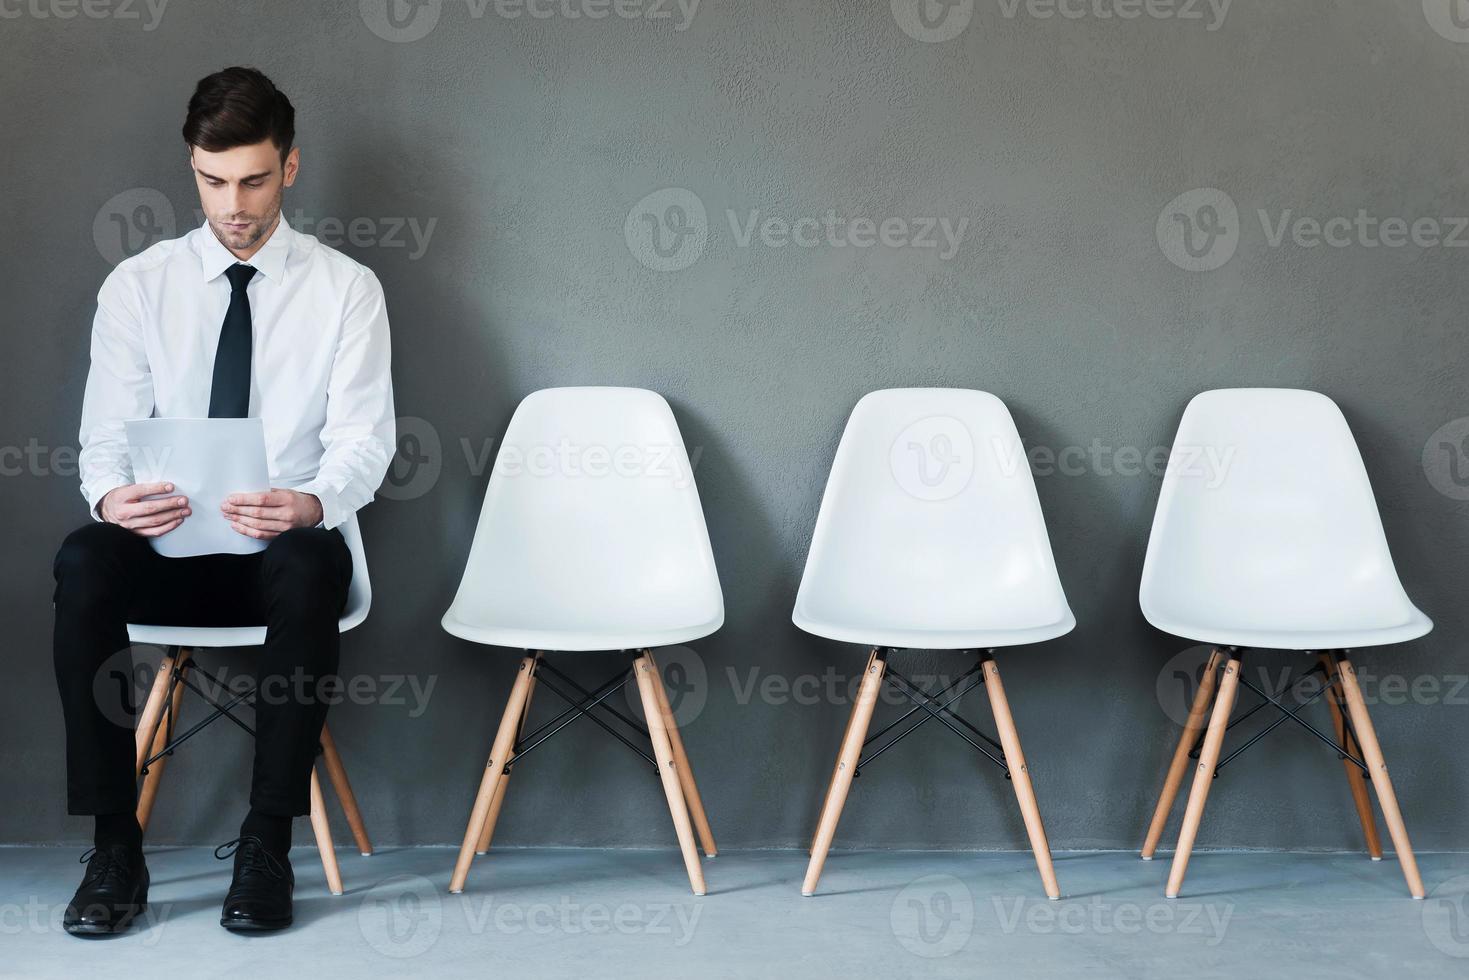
105 864
253 856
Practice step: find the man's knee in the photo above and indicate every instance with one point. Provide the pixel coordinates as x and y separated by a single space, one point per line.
308 562
89 558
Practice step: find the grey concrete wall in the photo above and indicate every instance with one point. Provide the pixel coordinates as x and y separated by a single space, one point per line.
518 148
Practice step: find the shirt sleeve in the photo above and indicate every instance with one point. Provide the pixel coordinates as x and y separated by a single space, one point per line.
119 387
360 433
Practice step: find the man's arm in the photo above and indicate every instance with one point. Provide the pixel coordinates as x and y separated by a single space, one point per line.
119 386
359 436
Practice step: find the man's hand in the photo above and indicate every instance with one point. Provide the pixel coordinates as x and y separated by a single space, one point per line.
124 506
266 515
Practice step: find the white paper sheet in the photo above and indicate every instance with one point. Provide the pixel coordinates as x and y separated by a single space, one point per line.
206 460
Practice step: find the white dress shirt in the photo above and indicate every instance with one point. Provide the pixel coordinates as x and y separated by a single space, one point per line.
319 377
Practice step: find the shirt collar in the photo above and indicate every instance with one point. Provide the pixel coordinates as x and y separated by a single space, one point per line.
270 259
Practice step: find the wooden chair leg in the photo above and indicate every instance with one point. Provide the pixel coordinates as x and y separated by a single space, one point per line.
831 783
1377 767
343 788
494 815
681 759
500 751
147 725
161 734
850 753
668 771
492 819
1020 777
1203 697
322 827
1356 779
1193 813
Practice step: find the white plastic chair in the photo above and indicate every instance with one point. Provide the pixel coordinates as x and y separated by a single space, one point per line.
930 536
1267 535
591 538
161 711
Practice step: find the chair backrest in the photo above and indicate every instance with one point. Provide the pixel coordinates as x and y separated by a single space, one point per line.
359 600
930 521
1266 520
359 594
591 527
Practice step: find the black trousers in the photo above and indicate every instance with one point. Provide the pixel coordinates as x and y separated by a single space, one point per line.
107 577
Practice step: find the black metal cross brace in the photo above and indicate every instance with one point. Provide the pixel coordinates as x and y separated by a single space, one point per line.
1329 689
166 720
935 710
580 708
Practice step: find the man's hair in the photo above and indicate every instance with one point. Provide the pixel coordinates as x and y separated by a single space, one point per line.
239 107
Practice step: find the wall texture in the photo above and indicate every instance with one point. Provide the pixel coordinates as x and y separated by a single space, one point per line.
491 172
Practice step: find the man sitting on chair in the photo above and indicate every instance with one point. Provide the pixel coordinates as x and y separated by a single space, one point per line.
240 317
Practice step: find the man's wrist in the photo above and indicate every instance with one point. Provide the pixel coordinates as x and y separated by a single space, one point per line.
99 498
101 505
325 498
314 503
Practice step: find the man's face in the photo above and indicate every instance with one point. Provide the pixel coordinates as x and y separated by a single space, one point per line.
240 190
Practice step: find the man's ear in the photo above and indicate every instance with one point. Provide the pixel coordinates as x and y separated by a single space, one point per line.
293 163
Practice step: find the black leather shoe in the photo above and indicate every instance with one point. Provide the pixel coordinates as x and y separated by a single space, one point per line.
112 893
259 898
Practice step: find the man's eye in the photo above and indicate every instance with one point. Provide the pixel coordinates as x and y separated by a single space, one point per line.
253 184
215 183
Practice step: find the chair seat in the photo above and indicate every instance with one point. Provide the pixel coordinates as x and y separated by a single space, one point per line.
933 639
359 601
197 636
217 636
1275 637
578 641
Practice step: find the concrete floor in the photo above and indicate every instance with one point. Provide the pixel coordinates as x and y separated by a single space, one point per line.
563 913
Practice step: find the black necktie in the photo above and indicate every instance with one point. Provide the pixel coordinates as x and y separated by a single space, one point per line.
229 397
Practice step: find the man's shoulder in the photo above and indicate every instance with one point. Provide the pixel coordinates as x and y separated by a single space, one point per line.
338 265
128 278
155 255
